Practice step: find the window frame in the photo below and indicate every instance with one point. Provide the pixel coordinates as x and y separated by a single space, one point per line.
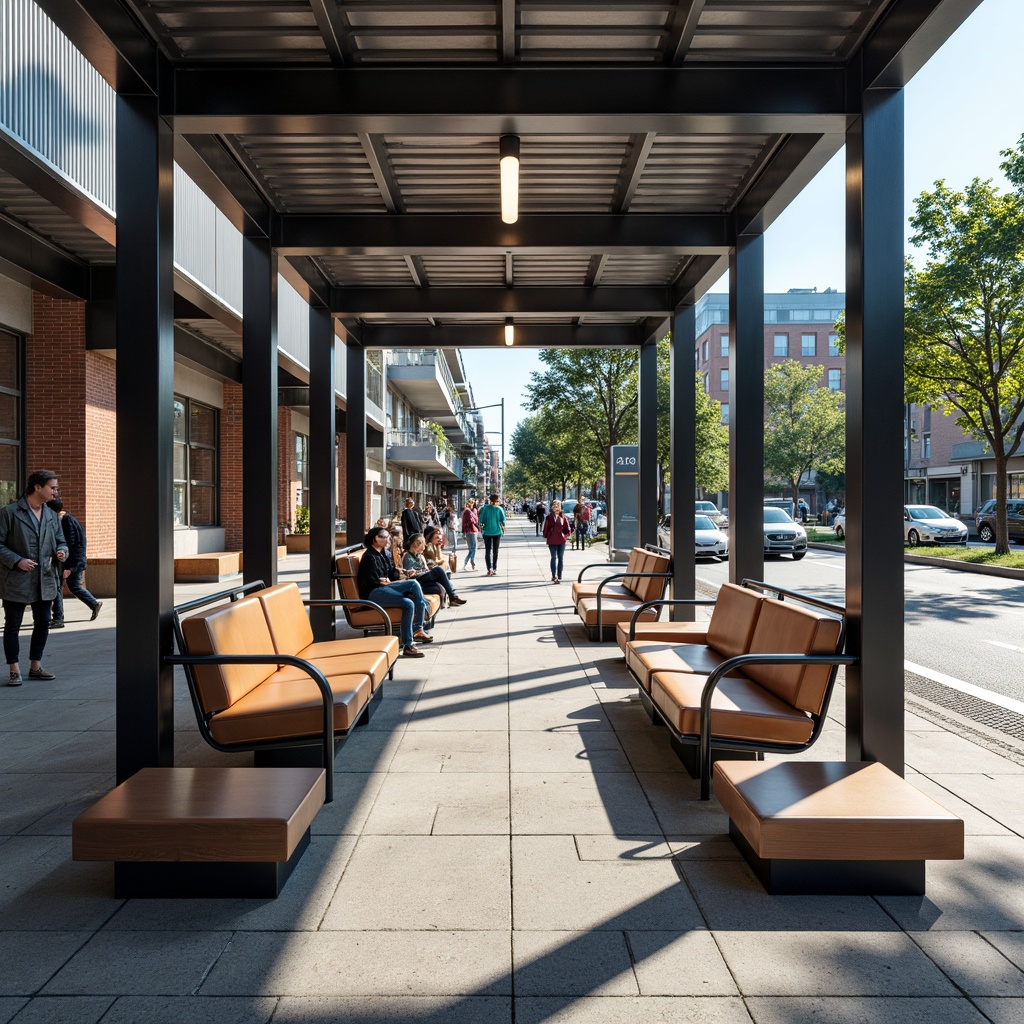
189 482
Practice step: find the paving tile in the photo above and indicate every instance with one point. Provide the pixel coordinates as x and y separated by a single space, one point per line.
674 963
451 752
552 963
573 751
62 1009
364 964
552 714
420 883
478 714
76 752
30 958
446 803
354 796
622 848
675 800
26 799
638 1010
933 753
648 749
976 822
53 715
603 803
18 746
190 1010
394 1010
830 963
864 1010
1002 1011
140 963
975 966
554 890
368 750
1010 944
9 1007
1001 797
704 848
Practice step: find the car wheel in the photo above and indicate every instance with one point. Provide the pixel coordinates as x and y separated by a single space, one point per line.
913 538
840 533
797 555
986 533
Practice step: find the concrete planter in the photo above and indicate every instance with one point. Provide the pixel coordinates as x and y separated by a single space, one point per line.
297 543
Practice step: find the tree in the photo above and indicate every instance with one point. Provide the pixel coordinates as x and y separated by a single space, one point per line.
805 425
965 314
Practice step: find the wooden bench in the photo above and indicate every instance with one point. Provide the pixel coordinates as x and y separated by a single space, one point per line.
209 567
258 681
758 679
202 832
604 603
346 574
834 827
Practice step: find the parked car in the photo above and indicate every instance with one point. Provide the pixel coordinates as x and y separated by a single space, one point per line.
568 505
783 535
926 524
839 525
710 509
986 520
709 540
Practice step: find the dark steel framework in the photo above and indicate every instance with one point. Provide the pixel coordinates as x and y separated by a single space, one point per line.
659 140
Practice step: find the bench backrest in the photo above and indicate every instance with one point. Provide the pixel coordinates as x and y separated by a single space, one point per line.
635 564
235 628
287 619
649 588
733 619
347 566
785 628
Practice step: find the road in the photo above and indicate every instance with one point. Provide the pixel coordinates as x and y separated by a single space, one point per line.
963 625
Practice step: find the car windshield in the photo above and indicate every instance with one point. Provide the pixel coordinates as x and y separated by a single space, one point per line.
926 512
776 515
703 523
704 506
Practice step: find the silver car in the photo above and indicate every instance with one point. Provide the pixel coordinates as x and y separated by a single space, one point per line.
783 535
926 524
709 541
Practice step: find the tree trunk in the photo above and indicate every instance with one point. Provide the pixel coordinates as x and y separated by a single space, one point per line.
1002 532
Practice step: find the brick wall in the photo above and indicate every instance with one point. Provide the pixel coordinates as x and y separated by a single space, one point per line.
101 454
231 466
285 471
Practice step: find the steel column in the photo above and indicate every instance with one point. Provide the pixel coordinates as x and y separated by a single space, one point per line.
746 409
259 410
145 416
323 476
355 466
683 418
647 421
874 427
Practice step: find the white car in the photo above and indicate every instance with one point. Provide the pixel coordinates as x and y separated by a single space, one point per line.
926 524
709 541
839 525
783 535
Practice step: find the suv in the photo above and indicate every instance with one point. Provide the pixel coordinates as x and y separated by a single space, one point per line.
986 520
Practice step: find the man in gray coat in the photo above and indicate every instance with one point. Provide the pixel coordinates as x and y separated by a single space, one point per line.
31 542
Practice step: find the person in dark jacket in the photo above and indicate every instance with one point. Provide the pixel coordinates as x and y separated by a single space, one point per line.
382 582
31 544
412 521
73 568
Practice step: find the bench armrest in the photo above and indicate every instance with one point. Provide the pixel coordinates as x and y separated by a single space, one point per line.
326 694
619 576
739 661
601 565
664 601
335 601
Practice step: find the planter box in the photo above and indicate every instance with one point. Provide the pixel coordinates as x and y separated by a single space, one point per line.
297 543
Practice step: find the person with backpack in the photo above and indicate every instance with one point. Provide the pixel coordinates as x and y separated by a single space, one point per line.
73 568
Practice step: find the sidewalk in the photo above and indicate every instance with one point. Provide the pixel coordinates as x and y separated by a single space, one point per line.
511 840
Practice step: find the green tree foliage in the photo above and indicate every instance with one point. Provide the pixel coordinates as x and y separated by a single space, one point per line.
965 314
805 424
548 455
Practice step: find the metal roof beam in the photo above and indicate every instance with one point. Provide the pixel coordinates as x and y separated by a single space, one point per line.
455 302
428 234
492 336
331 23
33 261
498 100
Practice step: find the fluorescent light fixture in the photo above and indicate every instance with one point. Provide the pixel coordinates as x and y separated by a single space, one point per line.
510 332
508 162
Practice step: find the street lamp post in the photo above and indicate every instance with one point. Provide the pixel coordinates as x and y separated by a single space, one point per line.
495 405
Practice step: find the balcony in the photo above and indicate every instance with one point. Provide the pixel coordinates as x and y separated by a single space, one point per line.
424 379
422 452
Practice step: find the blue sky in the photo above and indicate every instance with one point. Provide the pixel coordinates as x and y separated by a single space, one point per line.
970 86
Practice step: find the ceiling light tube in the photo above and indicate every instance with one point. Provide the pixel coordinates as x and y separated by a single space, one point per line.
508 162
510 332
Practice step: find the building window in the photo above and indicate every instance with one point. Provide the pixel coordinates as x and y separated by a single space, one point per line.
926 446
781 346
696 358
704 352
11 434
724 342
833 344
724 381
707 384
808 344
196 492
302 470
725 414
835 380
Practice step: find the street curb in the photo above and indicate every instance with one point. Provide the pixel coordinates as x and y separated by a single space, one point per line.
943 563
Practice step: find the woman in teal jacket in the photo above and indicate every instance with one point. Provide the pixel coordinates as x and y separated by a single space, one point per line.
492 526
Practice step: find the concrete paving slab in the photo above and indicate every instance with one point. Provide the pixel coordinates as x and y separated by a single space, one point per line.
976 822
704 848
675 800
18 746
354 796
605 803
680 964
1001 797
567 752
1010 944
30 958
554 890
30 798
441 803
424 883
648 750
64 1009
622 848
863 1010
830 963
975 966
50 713
554 713
638 1010
1002 1011
935 753
364 964
483 714
190 1010
9 1007
394 1010
458 751
553 963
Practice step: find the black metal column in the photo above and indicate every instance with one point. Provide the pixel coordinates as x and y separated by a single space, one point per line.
874 427
323 477
145 417
355 468
683 418
647 417
259 410
746 409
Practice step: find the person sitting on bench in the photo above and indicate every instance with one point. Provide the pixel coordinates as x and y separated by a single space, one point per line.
433 579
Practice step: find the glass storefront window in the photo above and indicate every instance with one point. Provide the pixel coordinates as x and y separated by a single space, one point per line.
195 464
11 469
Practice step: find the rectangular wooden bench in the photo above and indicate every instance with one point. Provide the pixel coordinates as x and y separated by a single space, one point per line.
209 567
834 827
202 832
603 603
258 681
760 680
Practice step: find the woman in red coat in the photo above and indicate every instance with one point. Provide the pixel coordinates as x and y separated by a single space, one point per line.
556 533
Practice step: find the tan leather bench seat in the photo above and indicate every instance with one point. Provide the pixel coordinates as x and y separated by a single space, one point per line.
613 610
373 665
588 589
666 632
347 573
647 657
618 600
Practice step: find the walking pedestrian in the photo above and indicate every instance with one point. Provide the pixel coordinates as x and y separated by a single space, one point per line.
539 512
73 568
492 526
581 521
31 543
556 533
470 530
